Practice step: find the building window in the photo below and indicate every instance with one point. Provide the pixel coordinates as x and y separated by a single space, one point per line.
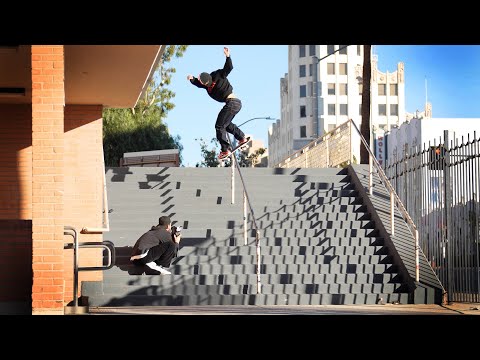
343 89
303 70
382 89
301 49
394 89
310 69
303 90
312 50
382 109
383 127
303 131
330 49
360 89
359 50
342 68
303 111
331 109
342 51
331 68
394 109
343 109
360 109
331 127
331 89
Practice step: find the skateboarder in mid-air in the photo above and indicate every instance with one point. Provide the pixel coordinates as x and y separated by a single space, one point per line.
219 88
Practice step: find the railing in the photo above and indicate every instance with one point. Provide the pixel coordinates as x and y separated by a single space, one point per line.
246 201
394 199
319 154
439 183
106 245
75 245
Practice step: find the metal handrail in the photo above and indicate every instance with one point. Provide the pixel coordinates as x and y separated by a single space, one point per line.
108 245
394 198
246 201
70 230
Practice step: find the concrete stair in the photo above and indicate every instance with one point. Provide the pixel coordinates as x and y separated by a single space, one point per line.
318 243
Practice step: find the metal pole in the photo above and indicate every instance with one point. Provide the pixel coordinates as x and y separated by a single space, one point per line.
244 217
259 284
392 217
350 145
470 223
448 230
370 177
417 258
233 157
477 212
75 263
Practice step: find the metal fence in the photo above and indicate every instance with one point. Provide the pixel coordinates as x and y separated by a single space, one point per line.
439 185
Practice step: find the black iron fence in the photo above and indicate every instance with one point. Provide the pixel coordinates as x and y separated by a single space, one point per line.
439 185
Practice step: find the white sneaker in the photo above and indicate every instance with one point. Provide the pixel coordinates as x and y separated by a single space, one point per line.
153 265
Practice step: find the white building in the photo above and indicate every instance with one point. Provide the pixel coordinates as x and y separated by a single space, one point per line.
257 144
336 84
419 133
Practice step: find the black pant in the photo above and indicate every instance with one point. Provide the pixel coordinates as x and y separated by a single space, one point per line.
162 254
224 123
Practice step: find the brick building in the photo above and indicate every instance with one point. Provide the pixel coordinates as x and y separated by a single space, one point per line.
51 161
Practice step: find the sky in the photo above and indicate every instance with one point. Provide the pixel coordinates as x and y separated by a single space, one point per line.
448 75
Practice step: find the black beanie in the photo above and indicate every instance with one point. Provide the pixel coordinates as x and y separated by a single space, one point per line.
205 78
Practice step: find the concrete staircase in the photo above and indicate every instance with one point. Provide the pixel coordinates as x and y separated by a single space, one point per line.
319 245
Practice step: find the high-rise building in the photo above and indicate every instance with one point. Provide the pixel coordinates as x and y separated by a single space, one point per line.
323 89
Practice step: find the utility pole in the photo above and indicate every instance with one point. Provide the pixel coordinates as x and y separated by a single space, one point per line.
366 81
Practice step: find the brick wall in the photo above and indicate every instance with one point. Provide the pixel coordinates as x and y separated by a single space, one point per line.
83 195
48 99
332 150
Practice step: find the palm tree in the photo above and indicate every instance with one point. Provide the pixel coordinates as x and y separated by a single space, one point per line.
365 127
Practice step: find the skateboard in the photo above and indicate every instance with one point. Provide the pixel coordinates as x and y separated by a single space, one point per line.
243 146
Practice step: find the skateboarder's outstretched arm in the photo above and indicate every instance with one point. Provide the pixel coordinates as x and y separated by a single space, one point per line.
227 68
195 81
228 63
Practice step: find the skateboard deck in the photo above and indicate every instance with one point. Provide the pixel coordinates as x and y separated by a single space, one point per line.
237 147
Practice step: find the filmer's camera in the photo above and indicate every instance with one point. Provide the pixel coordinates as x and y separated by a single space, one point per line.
176 230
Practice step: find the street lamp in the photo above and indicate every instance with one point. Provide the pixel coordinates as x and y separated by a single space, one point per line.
263 117
255 118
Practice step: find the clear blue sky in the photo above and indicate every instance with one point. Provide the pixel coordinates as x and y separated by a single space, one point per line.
452 73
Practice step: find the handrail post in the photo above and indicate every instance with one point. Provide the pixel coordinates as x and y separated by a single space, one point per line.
392 214
257 242
370 176
417 257
75 263
233 178
351 139
244 218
